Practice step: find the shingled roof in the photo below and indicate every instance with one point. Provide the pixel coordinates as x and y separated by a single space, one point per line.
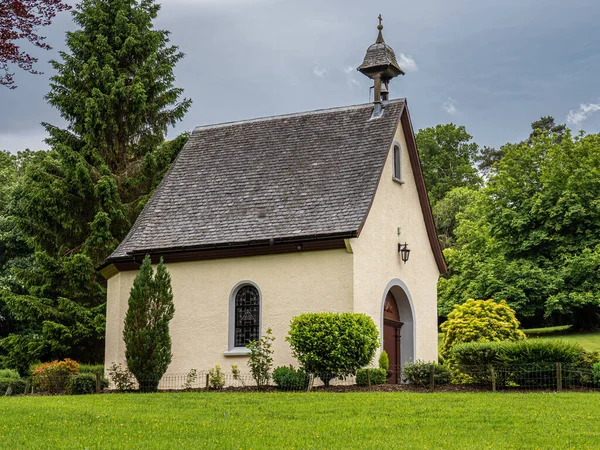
289 178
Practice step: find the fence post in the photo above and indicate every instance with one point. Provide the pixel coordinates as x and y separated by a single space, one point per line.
207 381
432 378
26 387
97 382
368 379
558 377
493 373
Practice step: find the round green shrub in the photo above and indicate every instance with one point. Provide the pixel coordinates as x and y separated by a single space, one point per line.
419 373
479 321
333 344
376 376
290 379
84 383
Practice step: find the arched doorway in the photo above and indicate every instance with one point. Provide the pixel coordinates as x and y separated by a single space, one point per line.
391 336
397 327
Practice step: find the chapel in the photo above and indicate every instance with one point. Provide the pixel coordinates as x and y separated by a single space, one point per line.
263 219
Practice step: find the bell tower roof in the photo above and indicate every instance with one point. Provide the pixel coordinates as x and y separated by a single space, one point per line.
380 59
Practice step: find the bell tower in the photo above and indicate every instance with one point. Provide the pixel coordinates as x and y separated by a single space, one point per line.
381 66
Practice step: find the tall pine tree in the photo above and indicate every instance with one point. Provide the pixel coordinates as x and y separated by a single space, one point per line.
115 88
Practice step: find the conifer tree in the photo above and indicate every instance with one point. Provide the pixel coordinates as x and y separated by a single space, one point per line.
115 87
146 331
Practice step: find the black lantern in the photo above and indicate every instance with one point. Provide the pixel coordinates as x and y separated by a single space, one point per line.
404 252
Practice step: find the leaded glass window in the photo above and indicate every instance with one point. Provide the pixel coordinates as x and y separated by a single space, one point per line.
247 310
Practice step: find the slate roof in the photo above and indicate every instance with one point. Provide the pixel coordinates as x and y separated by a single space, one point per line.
305 175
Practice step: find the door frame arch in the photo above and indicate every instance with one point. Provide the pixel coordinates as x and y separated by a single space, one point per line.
408 338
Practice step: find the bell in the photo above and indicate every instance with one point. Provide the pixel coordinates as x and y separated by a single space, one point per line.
384 90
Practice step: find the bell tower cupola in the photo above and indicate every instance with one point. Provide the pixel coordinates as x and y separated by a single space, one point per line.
381 66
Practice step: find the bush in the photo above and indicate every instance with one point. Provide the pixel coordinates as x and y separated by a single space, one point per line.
527 363
419 373
290 379
91 368
216 378
12 386
376 376
83 383
261 359
384 361
333 344
121 378
585 369
53 377
596 374
190 379
479 321
9 374
146 332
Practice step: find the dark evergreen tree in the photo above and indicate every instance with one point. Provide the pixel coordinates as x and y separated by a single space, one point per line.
146 331
115 88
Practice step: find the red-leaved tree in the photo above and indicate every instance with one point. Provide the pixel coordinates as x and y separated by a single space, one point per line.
20 19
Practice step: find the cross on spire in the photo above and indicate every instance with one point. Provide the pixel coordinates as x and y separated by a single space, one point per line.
380 35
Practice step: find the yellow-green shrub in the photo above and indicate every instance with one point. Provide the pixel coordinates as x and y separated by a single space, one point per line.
480 321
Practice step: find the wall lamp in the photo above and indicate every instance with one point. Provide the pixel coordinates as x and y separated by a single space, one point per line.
404 251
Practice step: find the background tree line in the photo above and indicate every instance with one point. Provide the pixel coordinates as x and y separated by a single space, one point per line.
520 223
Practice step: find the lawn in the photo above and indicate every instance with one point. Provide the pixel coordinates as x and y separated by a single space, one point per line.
589 341
303 420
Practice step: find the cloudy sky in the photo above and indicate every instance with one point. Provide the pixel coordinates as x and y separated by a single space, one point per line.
491 65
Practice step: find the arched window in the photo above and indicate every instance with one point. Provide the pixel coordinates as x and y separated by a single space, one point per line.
397 162
246 315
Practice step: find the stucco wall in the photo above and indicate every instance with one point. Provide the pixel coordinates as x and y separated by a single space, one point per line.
377 260
290 284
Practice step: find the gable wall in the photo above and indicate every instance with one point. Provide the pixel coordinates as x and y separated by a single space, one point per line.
290 284
377 260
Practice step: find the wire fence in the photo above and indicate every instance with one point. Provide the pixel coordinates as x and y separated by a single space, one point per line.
528 377
492 378
208 380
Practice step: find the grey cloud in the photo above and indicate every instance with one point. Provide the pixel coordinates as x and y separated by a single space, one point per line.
505 62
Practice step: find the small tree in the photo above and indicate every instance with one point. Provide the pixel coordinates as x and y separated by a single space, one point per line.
333 344
480 321
146 332
261 359
384 361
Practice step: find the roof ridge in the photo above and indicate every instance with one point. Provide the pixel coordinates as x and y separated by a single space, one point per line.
297 114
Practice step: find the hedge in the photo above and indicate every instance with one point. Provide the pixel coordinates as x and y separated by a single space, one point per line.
528 363
376 376
290 379
17 387
419 373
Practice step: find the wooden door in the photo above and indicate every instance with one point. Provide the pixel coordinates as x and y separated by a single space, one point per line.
391 337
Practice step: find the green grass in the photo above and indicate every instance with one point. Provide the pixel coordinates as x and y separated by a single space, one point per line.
589 341
303 420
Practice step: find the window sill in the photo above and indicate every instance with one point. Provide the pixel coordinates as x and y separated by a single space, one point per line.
397 180
238 351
